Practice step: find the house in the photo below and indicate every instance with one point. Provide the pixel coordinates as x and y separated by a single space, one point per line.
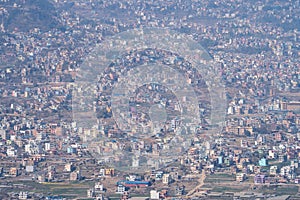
90 193
71 150
125 196
272 154
273 170
51 175
259 179
11 152
23 195
288 171
41 178
263 162
13 171
179 191
295 163
154 194
74 176
99 187
240 177
166 179
135 184
29 168
96 191
134 177
47 146
99 197
69 167
282 158
4 135
158 175
251 168
220 160
121 189
107 172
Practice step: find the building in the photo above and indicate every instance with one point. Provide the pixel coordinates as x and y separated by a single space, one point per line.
287 171
263 162
51 175
154 195
75 176
220 160
29 168
293 106
68 167
11 152
13 171
295 163
273 170
90 193
47 146
179 191
99 187
125 196
240 177
282 158
4 135
259 179
134 177
158 175
121 189
41 178
107 172
136 184
272 154
71 150
23 195
166 179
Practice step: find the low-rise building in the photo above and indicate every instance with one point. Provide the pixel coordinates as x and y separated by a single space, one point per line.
240 177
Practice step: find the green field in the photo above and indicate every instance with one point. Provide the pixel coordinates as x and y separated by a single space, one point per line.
219 178
68 190
279 190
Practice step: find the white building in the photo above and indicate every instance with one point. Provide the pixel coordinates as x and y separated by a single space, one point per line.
68 167
121 189
23 195
273 170
33 148
29 168
240 177
4 135
287 171
11 152
90 193
47 146
154 194
99 187
40 136
133 177
135 162
166 179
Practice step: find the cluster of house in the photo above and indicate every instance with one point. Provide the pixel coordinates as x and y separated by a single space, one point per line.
258 62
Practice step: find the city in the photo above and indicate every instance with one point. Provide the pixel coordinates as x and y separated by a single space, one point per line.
93 108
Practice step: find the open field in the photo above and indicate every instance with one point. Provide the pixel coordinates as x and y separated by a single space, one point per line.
68 190
220 183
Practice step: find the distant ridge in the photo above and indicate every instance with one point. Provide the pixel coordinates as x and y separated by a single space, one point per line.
24 15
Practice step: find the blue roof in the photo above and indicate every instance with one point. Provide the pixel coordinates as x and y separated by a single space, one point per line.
134 182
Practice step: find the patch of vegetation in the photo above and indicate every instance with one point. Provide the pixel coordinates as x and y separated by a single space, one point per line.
26 15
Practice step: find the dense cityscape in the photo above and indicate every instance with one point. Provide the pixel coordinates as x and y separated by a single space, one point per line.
50 149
